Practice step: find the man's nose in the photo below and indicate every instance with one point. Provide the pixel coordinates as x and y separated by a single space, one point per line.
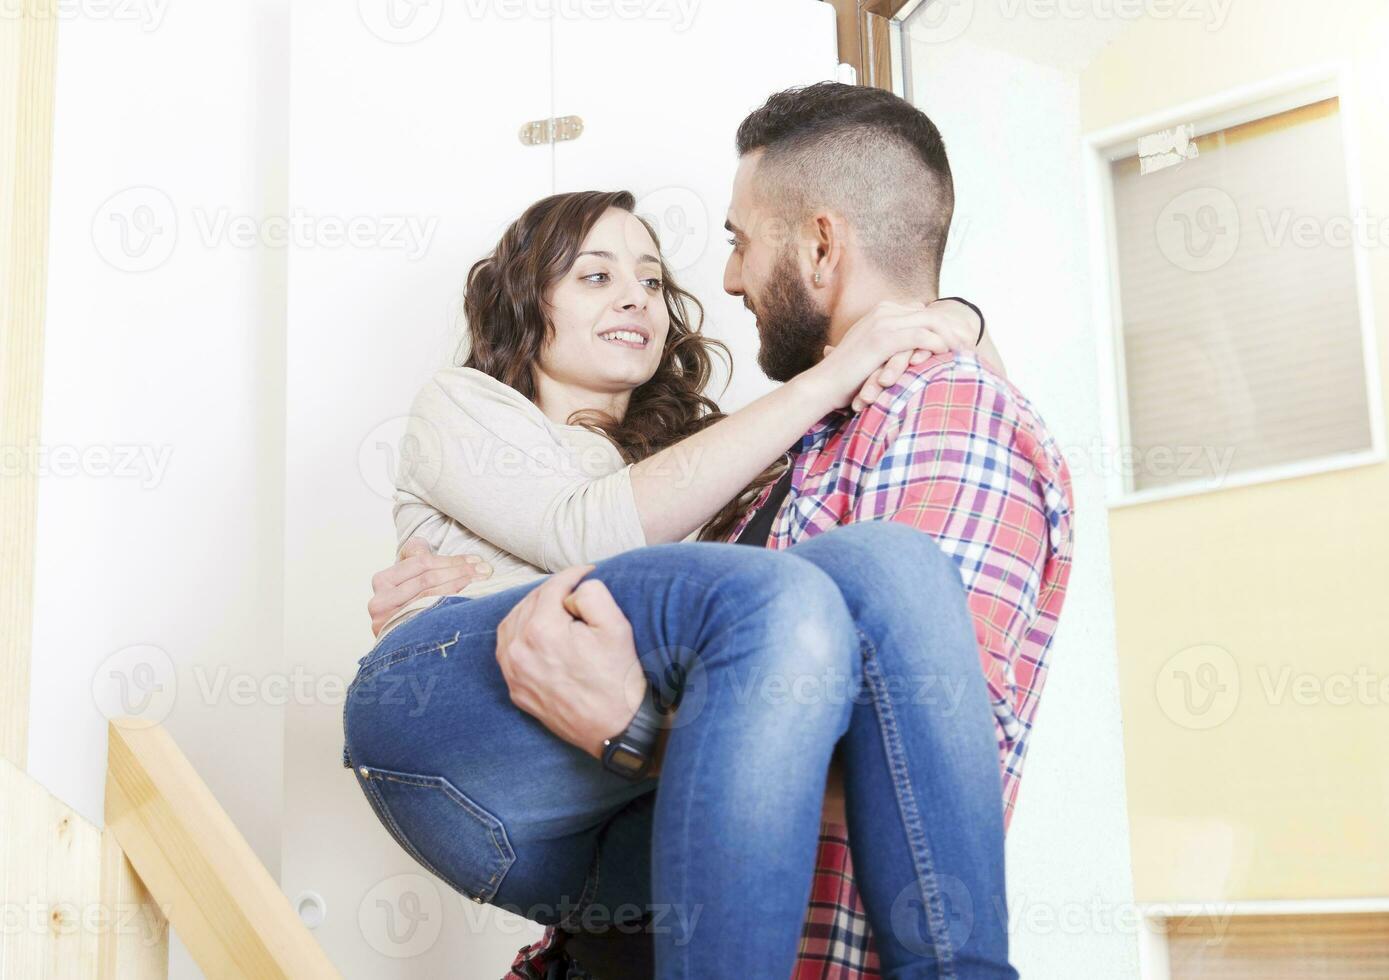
733 276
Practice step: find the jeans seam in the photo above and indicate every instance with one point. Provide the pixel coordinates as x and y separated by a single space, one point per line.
917 839
346 750
691 799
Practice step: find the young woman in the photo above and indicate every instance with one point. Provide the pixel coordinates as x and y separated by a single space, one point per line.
577 431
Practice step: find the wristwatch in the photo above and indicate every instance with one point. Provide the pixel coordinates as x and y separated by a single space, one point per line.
629 753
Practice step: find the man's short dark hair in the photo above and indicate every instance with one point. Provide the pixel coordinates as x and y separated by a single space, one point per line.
866 153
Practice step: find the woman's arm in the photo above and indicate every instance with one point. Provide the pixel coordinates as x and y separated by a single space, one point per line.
482 456
680 488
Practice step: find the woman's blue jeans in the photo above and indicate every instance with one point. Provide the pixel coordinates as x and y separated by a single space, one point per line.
858 637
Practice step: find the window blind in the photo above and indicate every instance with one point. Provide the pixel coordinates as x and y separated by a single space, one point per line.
1240 323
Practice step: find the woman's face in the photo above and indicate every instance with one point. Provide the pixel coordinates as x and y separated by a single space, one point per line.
609 310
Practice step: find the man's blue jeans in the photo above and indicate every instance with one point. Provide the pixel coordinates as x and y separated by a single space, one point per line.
861 634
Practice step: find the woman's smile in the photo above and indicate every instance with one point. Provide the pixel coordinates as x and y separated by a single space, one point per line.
633 336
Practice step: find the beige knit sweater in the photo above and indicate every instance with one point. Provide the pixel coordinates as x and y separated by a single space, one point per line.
484 472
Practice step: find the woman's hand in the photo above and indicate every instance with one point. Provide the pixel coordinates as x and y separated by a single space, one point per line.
876 350
420 572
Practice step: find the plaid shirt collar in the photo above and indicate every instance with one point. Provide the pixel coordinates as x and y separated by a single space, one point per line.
821 432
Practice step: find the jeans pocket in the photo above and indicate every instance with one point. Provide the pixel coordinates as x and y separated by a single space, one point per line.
455 839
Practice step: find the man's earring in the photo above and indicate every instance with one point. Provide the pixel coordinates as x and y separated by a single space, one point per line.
817 278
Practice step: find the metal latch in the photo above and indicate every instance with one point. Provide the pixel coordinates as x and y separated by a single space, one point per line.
542 131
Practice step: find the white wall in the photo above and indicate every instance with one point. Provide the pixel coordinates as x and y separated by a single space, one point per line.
182 362
1018 249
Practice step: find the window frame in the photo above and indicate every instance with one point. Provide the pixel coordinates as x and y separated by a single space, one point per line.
1223 110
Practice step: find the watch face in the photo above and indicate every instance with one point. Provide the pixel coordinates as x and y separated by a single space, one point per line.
625 758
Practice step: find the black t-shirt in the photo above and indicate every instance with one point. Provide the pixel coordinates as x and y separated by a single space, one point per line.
759 529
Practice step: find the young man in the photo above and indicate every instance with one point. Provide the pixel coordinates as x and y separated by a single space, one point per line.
841 205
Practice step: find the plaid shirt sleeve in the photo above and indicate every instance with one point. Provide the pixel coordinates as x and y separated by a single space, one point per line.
960 454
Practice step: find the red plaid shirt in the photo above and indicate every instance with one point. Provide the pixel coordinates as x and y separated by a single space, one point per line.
955 451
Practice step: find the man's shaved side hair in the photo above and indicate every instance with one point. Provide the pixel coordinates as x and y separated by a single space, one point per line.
867 154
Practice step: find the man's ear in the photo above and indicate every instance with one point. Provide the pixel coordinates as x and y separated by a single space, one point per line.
827 241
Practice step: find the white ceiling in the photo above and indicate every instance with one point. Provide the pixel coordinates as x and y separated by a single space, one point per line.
1066 34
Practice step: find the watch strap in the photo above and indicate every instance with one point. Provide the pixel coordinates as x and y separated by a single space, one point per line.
977 311
638 738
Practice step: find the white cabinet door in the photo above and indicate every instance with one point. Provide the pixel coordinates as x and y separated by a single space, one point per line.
661 97
405 165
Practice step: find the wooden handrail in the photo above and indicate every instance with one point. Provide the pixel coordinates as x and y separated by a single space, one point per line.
218 896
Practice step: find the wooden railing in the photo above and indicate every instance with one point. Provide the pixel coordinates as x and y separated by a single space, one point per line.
86 902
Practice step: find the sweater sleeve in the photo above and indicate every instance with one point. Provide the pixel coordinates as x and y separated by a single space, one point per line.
481 454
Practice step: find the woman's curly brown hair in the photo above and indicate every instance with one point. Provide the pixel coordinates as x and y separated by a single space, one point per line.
509 322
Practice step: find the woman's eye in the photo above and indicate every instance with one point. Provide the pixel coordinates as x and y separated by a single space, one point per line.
654 283
596 277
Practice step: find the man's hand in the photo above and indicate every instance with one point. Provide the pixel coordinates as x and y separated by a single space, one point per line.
578 675
420 572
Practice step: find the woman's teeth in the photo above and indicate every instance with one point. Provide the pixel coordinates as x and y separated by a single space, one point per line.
626 337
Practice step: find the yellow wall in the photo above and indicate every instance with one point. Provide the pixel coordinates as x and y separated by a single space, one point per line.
1289 797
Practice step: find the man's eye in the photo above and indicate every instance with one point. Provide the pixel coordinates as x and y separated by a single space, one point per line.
732 241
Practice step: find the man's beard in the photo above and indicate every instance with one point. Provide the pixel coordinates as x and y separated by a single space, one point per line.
793 331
